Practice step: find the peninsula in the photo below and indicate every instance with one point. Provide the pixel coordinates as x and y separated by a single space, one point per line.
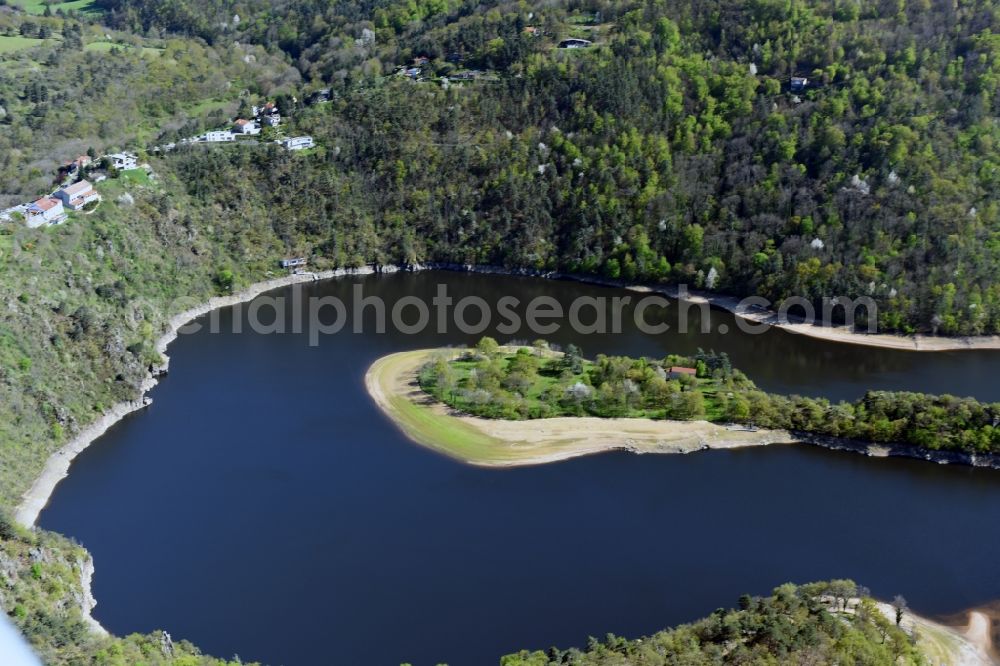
502 406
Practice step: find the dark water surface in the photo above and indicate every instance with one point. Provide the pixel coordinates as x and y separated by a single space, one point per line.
264 506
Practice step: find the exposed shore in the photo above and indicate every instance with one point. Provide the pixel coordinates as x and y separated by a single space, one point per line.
948 645
550 444
57 466
392 383
755 316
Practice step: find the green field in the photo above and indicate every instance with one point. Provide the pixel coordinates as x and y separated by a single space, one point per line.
105 47
38 6
135 177
421 422
18 43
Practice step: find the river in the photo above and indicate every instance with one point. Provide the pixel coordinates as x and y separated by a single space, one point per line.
264 506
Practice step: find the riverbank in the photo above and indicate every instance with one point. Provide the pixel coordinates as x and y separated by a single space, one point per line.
483 440
947 645
58 464
392 383
754 315
556 441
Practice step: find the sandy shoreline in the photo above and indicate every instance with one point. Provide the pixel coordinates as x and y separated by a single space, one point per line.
391 382
944 644
549 444
755 316
57 466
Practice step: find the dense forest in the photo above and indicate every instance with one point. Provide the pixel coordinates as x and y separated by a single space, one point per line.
494 382
819 623
673 149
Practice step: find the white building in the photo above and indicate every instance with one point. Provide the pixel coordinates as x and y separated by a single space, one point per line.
77 195
298 143
47 210
218 136
272 120
123 161
246 127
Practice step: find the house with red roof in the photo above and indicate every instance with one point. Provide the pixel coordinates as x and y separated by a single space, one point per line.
75 165
44 211
248 127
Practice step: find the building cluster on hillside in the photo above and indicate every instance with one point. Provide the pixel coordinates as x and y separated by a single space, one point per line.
263 116
74 194
51 209
418 70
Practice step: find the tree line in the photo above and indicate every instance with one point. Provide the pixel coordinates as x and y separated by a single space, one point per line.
537 383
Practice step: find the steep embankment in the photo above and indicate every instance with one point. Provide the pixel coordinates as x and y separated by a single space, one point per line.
57 466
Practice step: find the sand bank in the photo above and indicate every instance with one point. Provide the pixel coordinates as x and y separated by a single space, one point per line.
392 383
947 645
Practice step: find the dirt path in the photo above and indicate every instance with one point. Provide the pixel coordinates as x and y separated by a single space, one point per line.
392 384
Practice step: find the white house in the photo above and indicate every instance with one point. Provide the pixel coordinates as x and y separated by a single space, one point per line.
272 120
77 195
47 210
123 161
298 143
219 136
246 127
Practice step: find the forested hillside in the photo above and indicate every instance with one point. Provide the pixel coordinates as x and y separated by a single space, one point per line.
68 86
820 623
672 147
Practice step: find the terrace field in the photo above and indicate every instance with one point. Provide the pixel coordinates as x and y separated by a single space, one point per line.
38 6
12 43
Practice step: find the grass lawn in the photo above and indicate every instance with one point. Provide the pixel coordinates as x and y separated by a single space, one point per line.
105 47
18 43
135 177
102 47
419 420
208 105
38 6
